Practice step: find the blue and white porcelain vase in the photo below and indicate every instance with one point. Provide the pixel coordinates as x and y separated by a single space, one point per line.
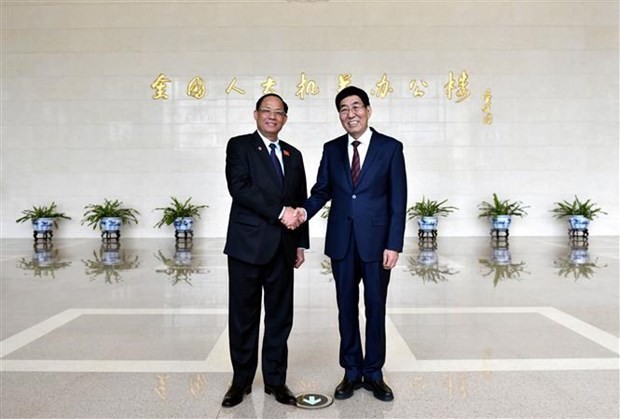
183 223
578 222
43 224
501 222
428 223
110 224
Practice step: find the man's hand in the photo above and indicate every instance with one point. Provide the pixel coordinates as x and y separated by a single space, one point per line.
301 215
390 257
300 258
293 217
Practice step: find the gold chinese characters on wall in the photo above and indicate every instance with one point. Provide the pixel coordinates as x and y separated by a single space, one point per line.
456 88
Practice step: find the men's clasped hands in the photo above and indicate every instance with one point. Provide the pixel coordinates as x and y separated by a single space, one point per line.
293 217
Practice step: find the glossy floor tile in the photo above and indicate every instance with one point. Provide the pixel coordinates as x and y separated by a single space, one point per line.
475 328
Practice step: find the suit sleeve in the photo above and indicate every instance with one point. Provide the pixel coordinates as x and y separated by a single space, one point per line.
241 186
304 230
398 200
321 191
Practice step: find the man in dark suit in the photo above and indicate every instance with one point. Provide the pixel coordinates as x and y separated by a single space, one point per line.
265 177
363 174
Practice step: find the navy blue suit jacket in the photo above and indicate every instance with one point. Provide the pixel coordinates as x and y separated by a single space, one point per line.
373 212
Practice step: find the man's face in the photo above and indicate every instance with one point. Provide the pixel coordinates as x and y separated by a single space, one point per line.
270 117
354 115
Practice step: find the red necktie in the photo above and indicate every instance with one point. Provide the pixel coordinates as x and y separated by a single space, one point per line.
355 164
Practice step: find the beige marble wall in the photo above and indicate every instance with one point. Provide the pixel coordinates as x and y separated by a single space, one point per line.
79 123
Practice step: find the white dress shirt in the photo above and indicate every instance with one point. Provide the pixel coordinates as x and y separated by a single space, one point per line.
362 148
267 141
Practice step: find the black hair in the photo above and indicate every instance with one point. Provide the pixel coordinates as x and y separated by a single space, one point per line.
352 91
260 101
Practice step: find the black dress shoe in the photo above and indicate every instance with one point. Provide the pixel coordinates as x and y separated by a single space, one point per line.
345 389
282 394
380 390
235 394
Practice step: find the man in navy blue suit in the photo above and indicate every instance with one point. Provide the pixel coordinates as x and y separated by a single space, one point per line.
363 174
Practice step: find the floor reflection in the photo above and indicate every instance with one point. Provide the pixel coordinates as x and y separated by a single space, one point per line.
109 263
150 344
501 265
426 266
44 261
181 266
578 264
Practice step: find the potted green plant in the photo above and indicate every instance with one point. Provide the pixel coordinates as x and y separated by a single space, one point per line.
500 213
428 212
109 216
181 215
579 213
43 218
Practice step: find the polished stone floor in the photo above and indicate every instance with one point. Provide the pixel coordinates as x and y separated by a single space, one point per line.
475 330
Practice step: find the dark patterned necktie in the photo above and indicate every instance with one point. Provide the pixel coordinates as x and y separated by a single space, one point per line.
355 164
276 162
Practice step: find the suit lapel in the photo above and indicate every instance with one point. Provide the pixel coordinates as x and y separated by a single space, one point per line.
286 162
263 156
343 148
371 154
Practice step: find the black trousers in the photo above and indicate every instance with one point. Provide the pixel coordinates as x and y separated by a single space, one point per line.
246 284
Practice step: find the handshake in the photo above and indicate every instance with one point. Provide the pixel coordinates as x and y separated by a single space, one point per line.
293 217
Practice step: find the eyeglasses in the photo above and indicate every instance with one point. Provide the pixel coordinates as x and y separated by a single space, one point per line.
269 112
355 108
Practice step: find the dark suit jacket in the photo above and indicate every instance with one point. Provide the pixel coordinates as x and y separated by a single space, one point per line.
374 211
254 231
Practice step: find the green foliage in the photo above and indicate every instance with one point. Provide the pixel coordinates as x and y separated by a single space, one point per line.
325 212
326 266
586 208
177 209
96 212
501 207
43 211
429 208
